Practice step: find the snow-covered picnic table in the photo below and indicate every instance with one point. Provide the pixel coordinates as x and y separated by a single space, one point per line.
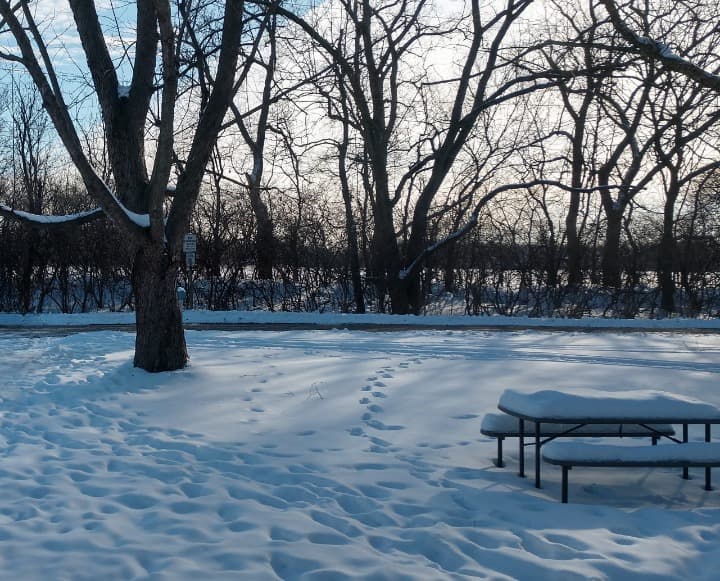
584 407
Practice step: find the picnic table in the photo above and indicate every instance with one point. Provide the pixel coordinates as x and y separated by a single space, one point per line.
586 407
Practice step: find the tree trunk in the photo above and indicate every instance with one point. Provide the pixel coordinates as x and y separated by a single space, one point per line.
449 276
265 244
611 251
350 224
160 340
666 257
574 250
25 286
354 256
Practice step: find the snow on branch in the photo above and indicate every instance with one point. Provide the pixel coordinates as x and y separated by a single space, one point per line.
660 52
45 221
141 220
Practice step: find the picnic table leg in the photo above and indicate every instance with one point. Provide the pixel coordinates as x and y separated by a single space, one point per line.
522 448
565 484
708 476
499 462
685 475
537 454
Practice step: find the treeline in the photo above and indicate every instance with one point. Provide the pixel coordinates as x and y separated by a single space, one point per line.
513 263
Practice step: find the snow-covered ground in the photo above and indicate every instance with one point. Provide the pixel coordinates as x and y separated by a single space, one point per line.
333 454
353 320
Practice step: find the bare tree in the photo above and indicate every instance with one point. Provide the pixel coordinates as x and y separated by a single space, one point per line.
138 204
372 57
686 152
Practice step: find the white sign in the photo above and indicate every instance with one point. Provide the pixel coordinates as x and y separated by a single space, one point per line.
189 259
190 244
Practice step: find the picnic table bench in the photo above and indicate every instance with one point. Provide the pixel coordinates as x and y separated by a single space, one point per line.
689 455
502 426
587 408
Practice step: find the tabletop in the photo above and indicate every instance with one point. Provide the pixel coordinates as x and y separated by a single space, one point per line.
597 407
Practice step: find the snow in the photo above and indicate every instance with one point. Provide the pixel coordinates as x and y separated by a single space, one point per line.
502 423
47 219
651 405
332 454
697 452
352 320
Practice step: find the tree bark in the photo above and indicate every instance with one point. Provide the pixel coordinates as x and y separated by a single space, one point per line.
265 244
612 271
350 226
160 340
667 252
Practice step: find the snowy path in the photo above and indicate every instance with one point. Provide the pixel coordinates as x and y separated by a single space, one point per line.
331 455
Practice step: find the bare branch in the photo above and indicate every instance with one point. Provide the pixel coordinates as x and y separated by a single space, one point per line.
657 51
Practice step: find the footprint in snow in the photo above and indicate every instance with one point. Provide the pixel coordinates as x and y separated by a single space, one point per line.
393 485
378 425
327 539
186 507
136 501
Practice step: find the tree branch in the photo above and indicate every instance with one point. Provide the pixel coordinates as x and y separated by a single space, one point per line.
655 50
45 222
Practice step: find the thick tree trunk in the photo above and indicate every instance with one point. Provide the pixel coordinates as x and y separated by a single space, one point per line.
386 268
350 224
265 244
160 341
387 260
354 256
415 296
574 250
611 251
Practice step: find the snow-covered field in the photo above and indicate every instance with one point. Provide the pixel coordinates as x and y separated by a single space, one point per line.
333 454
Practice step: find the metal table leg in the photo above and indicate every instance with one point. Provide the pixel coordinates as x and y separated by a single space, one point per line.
708 475
499 460
537 454
685 475
522 448
564 489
